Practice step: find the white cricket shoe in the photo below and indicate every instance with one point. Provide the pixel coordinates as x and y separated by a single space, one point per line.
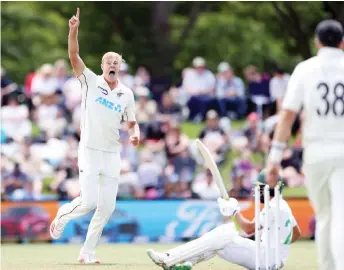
88 259
157 258
56 228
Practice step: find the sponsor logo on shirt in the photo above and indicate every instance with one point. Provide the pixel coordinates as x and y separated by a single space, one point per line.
108 104
104 91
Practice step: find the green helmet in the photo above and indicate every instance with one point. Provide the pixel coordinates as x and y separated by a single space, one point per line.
261 179
262 182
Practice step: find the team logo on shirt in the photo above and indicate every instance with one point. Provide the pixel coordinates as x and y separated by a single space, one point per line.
119 94
108 104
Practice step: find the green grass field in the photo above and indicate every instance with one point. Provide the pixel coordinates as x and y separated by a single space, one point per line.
125 257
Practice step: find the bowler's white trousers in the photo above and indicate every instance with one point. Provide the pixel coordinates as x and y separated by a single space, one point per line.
99 177
325 184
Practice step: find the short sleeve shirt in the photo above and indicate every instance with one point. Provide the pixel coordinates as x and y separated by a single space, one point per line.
102 111
317 86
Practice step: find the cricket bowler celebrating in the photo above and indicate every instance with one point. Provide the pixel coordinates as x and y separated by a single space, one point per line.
226 242
317 85
105 103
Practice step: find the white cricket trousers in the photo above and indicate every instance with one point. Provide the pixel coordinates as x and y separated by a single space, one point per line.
225 242
99 177
325 184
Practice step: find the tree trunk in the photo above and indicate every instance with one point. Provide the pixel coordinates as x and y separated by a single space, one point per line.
336 9
164 50
294 27
162 56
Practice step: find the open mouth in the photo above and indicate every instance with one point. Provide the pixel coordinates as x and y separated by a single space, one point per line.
112 73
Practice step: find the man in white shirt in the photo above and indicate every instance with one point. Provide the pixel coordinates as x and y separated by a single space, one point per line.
125 77
199 83
230 91
149 170
105 103
278 86
15 119
317 85
129 186
226 242
205 186
45 83
71 91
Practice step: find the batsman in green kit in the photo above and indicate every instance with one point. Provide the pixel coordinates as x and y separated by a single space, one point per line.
231 245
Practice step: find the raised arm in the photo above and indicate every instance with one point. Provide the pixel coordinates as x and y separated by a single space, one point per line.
73 45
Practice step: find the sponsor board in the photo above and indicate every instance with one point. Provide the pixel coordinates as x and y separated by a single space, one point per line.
132 221
25 221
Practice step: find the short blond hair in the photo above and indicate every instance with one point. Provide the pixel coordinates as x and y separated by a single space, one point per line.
46 69
113 54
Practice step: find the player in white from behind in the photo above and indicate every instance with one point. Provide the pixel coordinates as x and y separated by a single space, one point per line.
105 102
317 85
226 242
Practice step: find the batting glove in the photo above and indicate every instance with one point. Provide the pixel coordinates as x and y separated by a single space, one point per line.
228 207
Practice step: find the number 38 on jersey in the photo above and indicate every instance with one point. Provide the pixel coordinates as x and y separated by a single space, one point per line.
332 99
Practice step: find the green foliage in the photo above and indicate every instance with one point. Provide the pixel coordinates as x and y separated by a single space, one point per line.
162 35
249 33
29 39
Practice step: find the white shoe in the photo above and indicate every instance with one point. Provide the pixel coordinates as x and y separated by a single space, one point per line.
56 228
157 258
88 259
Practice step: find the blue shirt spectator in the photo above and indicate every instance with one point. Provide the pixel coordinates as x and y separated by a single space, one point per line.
228 85
230 91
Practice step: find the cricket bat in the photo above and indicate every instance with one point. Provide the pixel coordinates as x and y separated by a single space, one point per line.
211 164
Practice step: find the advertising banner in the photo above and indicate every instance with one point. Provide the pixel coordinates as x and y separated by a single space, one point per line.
132 221
142 221
25 221
302 211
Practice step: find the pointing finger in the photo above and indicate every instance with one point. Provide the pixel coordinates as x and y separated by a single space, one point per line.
78 12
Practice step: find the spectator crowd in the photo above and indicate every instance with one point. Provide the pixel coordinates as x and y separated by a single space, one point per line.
40 131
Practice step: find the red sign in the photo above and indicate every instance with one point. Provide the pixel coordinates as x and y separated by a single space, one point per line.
302 211
27 220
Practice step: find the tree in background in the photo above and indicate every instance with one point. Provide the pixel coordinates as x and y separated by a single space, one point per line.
164 36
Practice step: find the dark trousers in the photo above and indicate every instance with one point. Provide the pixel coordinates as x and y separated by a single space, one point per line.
237 105
199 105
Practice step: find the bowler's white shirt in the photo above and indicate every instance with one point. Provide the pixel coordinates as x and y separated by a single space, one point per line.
102 111
314 85
286 223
